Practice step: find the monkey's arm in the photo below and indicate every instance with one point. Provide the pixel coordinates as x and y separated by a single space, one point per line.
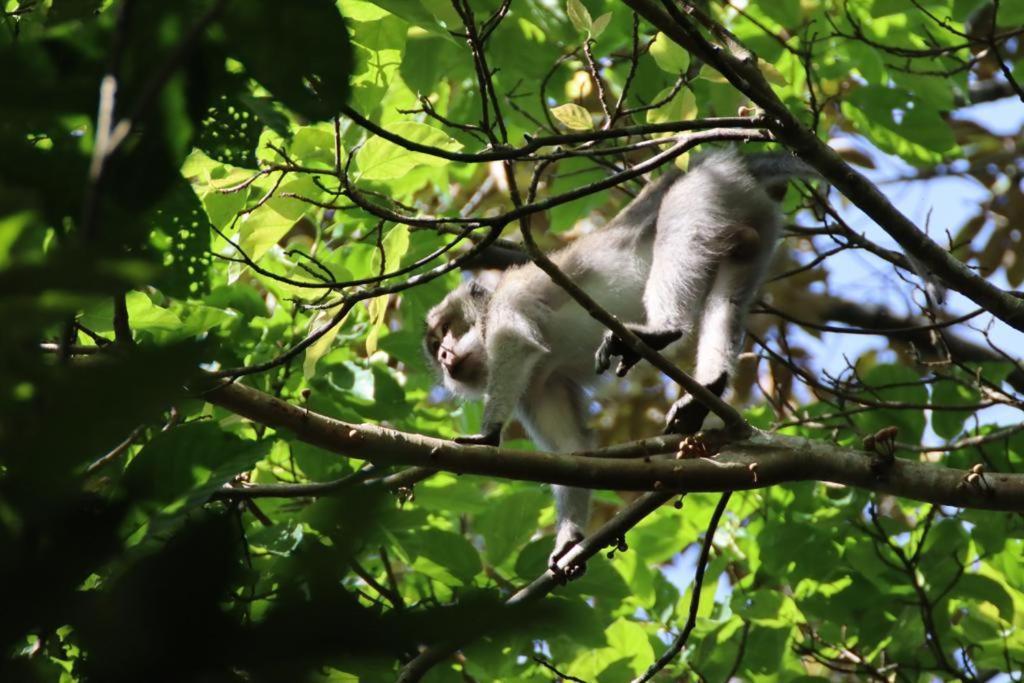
513 351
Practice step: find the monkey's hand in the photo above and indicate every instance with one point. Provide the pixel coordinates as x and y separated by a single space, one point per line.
568 537
613 346
491 436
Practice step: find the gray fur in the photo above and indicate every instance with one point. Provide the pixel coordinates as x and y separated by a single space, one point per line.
668 262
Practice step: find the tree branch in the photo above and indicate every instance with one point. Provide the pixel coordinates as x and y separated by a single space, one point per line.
691 620
758 462
503 153
916 331
613 529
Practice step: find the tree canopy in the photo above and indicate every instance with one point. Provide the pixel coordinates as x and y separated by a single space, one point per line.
223 456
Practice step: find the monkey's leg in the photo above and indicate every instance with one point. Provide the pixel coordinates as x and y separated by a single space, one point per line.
554 414
682 268
721 334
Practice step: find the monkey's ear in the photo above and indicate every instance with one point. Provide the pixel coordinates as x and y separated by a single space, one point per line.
485 281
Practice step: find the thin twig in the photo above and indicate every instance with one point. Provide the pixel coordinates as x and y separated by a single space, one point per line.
691 620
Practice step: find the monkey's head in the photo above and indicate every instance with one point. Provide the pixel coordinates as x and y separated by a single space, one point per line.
454 340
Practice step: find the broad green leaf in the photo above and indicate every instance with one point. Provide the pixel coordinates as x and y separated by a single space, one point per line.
682 106
317 350
771 74
668 55
222 207
578 15
179 461
230 131
261 230
949 423
600 24
425 15
316 463
894 384
380 159
890 119
444 556
508 522
395 245
629 637
445 492
573 116
605 663
309 67
377 308
144 315
986 589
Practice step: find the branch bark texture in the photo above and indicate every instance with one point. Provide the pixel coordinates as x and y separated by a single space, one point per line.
758 462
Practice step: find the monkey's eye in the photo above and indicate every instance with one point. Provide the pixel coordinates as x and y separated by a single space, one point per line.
444 329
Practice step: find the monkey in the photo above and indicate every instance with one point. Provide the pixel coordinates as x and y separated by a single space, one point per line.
687 254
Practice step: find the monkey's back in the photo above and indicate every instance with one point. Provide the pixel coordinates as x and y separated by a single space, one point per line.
718 195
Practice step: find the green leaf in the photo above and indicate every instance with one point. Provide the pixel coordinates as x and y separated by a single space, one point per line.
896 384
508 522
897 123
604 664
986 589
377 309
600 24
189 459
447 557
949 423
319 348
380 159
573 116
317 463
416 13
230 131
145 315
261 230
627 636
1011 13
180 236
578 15
309 66
681 107
668 55
446 492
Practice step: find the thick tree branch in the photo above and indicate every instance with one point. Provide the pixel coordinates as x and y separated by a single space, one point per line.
761 461
741 71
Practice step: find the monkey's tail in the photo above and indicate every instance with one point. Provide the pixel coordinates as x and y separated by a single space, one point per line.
774 170
774 167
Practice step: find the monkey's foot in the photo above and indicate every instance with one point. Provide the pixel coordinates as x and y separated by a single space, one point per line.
685 416
611 345
491 436
568 537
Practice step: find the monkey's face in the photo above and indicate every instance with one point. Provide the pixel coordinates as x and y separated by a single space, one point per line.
454 341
